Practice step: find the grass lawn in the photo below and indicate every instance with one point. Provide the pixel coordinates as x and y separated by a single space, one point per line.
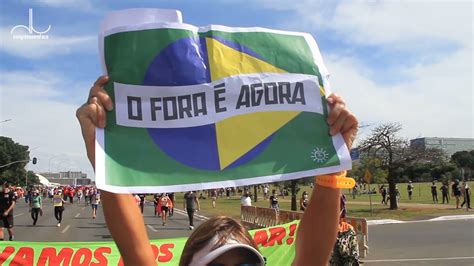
421 193
357 207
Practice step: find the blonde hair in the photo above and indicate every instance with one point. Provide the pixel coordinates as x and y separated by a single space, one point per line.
222 226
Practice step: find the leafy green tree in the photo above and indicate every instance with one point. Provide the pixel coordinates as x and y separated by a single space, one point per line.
32 179
13 158
465 161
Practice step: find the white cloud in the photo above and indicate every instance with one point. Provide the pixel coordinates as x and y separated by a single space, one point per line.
81 4
47 126
54 45
438 101
399 23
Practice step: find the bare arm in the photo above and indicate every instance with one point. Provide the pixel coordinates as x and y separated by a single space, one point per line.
318 228
11 207
123 218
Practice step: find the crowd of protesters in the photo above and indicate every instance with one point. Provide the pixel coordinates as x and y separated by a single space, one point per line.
36 196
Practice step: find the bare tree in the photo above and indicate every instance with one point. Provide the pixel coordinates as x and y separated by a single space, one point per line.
395 152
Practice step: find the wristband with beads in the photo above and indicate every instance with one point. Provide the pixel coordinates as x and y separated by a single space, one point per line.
335 180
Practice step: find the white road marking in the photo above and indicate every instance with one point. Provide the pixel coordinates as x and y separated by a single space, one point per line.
65 229
197 216
77 215
20 214
151 228
419 259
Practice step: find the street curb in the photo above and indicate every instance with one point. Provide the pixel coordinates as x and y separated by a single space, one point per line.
441 218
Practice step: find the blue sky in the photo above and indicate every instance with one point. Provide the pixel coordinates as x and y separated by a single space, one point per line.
405 61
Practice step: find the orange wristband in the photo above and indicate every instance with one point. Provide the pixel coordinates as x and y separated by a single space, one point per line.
335 181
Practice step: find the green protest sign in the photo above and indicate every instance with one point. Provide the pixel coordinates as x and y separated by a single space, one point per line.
277 244
206 107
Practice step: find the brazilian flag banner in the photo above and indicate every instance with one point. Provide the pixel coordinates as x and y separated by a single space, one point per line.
214 106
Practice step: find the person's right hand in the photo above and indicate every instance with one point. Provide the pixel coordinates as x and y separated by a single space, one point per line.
92 114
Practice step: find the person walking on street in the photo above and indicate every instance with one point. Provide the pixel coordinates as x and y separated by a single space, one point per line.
166 204
190 203
71 195
456 190
79 195
156 202
171 208
7 204
95 200
58 204
87 196
410 189
445 192
27 195
142 201
36 206
466 194
434 192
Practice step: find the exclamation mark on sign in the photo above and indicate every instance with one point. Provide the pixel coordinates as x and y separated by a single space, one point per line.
290 239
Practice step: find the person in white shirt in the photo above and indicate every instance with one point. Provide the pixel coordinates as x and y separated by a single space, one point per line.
246 200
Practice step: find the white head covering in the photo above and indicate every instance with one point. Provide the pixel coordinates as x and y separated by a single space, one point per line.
206 254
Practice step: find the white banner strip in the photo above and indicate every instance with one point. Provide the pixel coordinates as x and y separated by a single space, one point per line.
203 104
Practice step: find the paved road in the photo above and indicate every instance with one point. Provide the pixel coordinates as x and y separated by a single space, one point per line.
414 243
422 243
411 205
78 225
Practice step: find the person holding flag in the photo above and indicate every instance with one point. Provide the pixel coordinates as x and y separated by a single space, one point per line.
317 230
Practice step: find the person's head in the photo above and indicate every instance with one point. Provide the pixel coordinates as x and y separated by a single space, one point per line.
433 182
273 192
221 241
305 195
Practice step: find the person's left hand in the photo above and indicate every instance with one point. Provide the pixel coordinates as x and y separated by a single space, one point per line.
341 120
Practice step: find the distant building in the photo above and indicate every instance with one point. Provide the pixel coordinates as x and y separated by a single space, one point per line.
449 145
68 178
